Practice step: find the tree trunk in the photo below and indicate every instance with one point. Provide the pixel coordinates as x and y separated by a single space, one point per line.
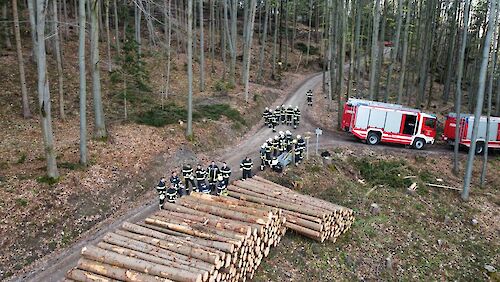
275 44
20 62
232 38
343 34
394 51
32 12
212 36
137 18
168 36
202 48
117 32
480 98
309 31
58 56
287 37
83 82
189 130
113 271
248 46
44 103
373 64
100 127
458 94
263 44
108 36
357 44
451 55
380 56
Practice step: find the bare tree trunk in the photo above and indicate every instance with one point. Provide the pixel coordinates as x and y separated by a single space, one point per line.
309 31
458 95
248 48
44 104
394 51
287 37
100 127
488 110
480 98
108 36
189 130
373 66
137 17
223 37
357 44
451 54
202 48
20 62
149 21
232 38
83 83
212 36
57 50
168 36
275 43
264 43
343 33
117 32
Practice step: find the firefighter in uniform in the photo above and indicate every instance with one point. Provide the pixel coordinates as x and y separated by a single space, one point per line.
300 147
276 145
309 97
221 188
171 194
175 182
263 156
289 141
226 173
246 166
290 112
283 114
213 175
201 175
265 116
161 189
296 117
269 152
273 122
187 174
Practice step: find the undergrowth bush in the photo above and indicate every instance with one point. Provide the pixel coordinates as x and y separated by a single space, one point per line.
384 172
301 46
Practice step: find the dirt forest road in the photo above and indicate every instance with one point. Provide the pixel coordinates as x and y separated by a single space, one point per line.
54 267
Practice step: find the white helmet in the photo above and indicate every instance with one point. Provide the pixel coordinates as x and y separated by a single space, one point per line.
269 140
281 133
290 106
298 136
263 146
267 109
288 132
277 107
276 137
296 107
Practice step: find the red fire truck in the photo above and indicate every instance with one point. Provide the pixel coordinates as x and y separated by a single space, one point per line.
378 122
465 134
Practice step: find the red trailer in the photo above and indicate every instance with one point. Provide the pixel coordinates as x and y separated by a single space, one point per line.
378 122
466 122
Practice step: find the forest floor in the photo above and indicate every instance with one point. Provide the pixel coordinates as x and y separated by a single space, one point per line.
42 216
426 235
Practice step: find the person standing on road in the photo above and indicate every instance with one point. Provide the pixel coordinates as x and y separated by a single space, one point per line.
246 166
309 97
175 182
296 117
266 115
161 188
226 173
283 114
187 174
276 145
290 112
213 175
263 156
300 147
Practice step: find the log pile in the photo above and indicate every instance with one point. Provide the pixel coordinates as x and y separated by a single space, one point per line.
306 215
199 238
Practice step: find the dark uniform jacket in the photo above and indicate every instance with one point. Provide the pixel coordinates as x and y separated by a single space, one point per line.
246 164
175 180
213 173
201 174
225 171
187 171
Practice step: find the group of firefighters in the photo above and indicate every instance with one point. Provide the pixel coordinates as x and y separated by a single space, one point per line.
274 148
289 116
196 180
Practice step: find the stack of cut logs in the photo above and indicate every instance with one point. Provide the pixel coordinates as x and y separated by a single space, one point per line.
200 238
309 216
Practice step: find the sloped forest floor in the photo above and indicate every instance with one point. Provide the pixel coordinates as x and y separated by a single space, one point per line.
41 215
426 235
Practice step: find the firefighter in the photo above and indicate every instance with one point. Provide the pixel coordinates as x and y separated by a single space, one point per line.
301 146
281 145
225 172
201 175
283 114
171 194
246 166
266 115
309 95
175 182
289 141
161 189
269 152
213 175
187 174
290 112
221 189
275 145
273 122
296 117
263 156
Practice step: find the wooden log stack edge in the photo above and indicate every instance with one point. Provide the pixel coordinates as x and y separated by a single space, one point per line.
306 215
199 238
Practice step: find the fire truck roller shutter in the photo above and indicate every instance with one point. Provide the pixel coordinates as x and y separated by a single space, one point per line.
482 128
377 118
362 117
393 122
493 130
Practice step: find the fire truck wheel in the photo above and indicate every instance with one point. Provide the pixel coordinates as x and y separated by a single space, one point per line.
419 144
479 148
373 138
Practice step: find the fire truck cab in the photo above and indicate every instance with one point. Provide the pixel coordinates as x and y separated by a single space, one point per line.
466 122
388 123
